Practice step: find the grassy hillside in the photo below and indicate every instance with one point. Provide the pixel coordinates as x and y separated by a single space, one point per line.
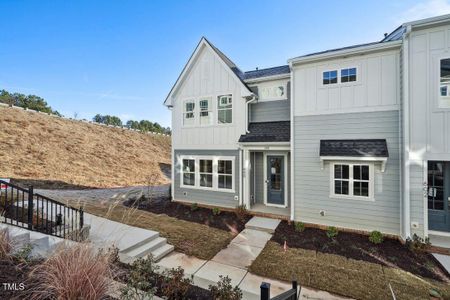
53 152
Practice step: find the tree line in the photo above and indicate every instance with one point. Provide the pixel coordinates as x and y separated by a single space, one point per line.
39 104
143 125
26 101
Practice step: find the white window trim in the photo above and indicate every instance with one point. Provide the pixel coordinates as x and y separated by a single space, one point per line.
283 84
213 109
190 100
371 196
210 111
438 102
215 160
232 109
339 71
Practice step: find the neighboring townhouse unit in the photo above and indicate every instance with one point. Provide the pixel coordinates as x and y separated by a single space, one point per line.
355 137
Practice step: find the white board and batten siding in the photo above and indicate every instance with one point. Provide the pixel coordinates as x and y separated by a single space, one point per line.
376 87
365 109
209 77
429 124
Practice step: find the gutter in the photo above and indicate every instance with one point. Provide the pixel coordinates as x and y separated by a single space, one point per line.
406 143
345 52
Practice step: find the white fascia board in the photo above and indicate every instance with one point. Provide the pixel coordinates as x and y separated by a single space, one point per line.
383 160
346 52
429 21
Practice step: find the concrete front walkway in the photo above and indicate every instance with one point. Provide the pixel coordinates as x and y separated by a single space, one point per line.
233 262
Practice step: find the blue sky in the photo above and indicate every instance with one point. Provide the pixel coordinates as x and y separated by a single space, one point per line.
122 57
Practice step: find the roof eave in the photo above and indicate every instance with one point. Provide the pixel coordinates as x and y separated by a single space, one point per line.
268 78
346 52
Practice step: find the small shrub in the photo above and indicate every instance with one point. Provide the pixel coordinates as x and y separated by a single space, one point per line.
216 211
194 206
224 290
332 232
68 269
299 226
174 284
376 237
241 212
141 282
6 246
24 253
418 244
113 254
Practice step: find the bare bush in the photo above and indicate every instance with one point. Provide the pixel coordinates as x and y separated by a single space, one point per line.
6 246
75 272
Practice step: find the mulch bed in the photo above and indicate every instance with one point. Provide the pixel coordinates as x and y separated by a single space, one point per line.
357 246
226 220
194 292
15 272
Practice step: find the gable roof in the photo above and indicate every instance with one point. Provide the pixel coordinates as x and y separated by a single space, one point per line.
228 63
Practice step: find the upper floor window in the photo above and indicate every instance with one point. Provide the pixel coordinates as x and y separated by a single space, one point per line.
205 112
224 109
348 75
444 84
272 92
330 77
188 114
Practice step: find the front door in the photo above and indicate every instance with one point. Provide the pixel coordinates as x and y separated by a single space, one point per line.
438 192
275 180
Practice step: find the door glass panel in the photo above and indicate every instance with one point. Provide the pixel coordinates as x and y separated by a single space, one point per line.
435 185
275 173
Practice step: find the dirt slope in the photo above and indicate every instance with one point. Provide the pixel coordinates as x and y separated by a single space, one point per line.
52 152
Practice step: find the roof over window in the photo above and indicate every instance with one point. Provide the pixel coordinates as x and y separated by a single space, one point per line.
354 148
268 132
374 150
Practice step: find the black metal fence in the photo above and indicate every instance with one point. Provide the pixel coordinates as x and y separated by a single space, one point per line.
291 294
23 208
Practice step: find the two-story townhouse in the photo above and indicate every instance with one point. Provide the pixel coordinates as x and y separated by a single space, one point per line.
355 137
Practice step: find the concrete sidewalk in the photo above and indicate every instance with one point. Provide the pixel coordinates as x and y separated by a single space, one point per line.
233 262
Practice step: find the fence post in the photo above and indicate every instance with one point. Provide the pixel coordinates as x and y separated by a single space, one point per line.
265 291
30 207
81 218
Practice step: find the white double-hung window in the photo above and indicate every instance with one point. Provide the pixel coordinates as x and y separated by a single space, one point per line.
205 111
208 172
225 109
352 180
189 112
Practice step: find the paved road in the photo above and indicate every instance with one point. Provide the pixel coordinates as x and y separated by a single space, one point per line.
105 195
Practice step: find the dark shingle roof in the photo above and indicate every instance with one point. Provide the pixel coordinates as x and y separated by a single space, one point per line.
267 132
267 72
355 148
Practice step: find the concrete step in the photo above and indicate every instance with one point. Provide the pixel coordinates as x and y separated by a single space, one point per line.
162 251
146 248
262 224
144 241
41 247
20 240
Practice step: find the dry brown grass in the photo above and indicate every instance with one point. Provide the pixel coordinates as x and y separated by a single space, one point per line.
337 274
188 237
40 147
6 245
73 272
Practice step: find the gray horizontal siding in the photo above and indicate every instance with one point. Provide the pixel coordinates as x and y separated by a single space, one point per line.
216 198
270 111
312 184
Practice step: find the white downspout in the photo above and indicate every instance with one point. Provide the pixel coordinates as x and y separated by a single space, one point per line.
247 110
291 192
406 131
